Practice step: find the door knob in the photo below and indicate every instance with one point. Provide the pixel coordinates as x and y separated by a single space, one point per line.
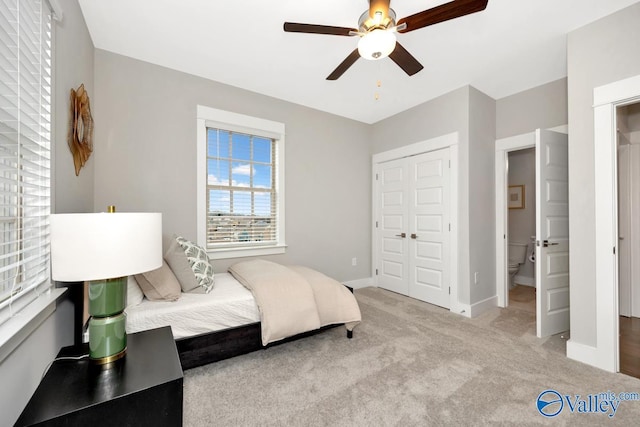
403 235
546 243
413 236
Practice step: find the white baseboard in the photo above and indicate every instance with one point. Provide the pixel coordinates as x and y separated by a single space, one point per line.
461 309
360 283
480 307
588 354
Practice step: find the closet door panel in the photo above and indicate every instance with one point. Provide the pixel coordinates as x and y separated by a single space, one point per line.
429 224
392 247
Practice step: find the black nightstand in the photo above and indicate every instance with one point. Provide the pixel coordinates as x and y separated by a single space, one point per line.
142 389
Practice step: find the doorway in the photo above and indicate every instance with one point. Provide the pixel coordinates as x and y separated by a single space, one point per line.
605 353
521 226
628 170
551 228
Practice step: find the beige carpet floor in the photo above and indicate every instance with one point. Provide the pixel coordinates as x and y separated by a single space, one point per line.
409 364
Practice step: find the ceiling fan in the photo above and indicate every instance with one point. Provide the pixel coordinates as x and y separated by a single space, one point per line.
377 27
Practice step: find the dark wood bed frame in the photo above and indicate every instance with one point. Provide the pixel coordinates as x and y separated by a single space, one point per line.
219 345
205 348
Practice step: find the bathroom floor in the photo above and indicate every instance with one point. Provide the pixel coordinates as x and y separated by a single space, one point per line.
523 298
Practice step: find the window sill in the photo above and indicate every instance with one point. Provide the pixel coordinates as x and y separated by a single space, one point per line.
246 252
19 327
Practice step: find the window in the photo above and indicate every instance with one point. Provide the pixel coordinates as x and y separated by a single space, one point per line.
240 184
25 161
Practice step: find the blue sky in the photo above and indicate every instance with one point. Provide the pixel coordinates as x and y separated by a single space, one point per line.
250 167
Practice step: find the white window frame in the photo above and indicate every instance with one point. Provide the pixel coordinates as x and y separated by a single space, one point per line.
208 117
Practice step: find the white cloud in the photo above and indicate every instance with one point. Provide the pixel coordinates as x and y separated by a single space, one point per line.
213 180
242 170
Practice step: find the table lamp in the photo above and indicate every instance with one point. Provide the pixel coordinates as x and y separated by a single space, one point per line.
103 249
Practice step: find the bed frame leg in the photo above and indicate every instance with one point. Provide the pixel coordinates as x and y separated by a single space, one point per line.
349 334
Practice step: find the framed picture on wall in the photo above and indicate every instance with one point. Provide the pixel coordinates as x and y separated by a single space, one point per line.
516 197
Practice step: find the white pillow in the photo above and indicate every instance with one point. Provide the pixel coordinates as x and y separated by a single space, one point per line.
134 293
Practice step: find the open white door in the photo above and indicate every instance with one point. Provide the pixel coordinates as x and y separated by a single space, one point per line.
552 233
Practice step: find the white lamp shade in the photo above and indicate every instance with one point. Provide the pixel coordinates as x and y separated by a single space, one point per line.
104 245
377 44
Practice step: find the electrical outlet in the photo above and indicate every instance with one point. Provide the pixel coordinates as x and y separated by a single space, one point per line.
354 262
476 277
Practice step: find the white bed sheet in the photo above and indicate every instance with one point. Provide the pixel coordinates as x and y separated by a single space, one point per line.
229 304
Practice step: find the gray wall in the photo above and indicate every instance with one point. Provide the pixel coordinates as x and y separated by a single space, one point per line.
442 115
481 176
145 158
74 66
541 107
522 171
21 371
600 53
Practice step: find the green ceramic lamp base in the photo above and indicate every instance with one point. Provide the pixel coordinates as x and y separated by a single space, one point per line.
107 334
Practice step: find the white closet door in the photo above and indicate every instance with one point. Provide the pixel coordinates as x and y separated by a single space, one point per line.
393 256
429 227
412 236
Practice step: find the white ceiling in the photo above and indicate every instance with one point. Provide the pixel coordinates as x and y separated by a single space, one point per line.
511 46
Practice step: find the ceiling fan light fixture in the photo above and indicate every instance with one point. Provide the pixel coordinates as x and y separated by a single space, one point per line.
377 18
377 44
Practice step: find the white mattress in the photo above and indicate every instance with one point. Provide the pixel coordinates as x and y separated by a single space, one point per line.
228 304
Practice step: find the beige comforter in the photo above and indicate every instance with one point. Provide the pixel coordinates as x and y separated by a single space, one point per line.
295 299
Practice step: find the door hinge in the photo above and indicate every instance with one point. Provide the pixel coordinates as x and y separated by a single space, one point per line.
449 226
376 177
376 224
614 250
376 271
449 164
449 290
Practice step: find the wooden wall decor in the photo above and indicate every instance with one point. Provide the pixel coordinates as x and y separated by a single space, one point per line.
80 138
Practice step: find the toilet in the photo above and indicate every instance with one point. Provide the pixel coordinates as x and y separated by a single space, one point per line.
517 256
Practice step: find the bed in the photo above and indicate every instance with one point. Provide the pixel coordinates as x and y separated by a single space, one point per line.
228 305
244 311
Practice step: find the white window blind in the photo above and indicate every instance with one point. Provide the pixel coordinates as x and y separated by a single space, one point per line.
25 161
241 191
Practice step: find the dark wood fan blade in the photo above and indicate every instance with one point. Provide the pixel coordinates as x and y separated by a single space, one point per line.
444 12
405 60
293 27
344 65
